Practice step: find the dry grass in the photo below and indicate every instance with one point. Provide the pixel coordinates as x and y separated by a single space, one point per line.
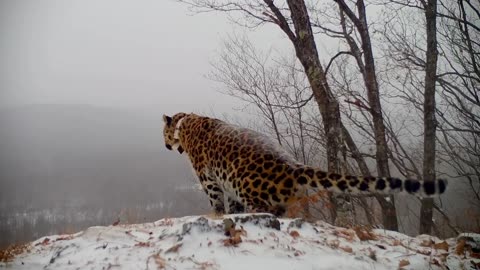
8 254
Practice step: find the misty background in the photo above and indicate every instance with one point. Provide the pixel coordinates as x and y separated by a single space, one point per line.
83 86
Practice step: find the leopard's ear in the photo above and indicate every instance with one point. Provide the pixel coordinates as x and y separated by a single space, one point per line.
167 119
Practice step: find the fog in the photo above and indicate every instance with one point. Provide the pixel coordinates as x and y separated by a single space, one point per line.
83 85
152 54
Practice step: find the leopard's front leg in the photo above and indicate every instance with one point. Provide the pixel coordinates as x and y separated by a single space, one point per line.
214 193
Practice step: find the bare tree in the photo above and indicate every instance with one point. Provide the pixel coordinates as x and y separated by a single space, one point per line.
418 72
298 28
429 119
410 75
459 114
245 74
364 58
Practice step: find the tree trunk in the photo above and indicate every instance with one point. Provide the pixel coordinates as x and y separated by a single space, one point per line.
367 68
306 51
429 121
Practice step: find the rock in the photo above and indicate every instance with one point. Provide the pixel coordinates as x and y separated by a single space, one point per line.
263 220
296 223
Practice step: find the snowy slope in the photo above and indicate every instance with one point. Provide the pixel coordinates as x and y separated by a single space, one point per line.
257 241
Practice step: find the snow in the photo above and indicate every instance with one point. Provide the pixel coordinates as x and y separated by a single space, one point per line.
258 241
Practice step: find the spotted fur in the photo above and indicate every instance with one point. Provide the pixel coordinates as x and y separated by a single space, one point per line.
241 169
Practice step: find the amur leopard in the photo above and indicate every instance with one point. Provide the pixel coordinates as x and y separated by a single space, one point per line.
243 170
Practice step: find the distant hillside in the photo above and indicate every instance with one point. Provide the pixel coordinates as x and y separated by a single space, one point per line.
82 147
82 158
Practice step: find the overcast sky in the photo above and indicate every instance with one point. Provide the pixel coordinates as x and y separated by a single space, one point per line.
149 53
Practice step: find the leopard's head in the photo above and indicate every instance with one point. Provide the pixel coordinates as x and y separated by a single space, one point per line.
170 131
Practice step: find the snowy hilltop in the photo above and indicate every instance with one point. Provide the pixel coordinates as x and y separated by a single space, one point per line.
247 241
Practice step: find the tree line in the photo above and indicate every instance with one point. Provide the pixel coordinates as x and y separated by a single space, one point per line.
397 95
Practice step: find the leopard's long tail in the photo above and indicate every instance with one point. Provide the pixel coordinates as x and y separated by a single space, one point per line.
338 183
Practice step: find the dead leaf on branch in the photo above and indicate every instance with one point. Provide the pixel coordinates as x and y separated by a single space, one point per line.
460 248
298 253
347 249
116 222
427 243
238 232
143 244
232 241
349 235
159 261
294 234
333 244
166 222
174 248
235 237
45 242
442 245
403 263
434 261
62 238
364 233
397 242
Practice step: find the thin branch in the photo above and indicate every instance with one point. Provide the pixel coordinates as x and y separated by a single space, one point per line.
334 57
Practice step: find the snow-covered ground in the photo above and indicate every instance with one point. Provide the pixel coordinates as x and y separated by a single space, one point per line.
255 241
